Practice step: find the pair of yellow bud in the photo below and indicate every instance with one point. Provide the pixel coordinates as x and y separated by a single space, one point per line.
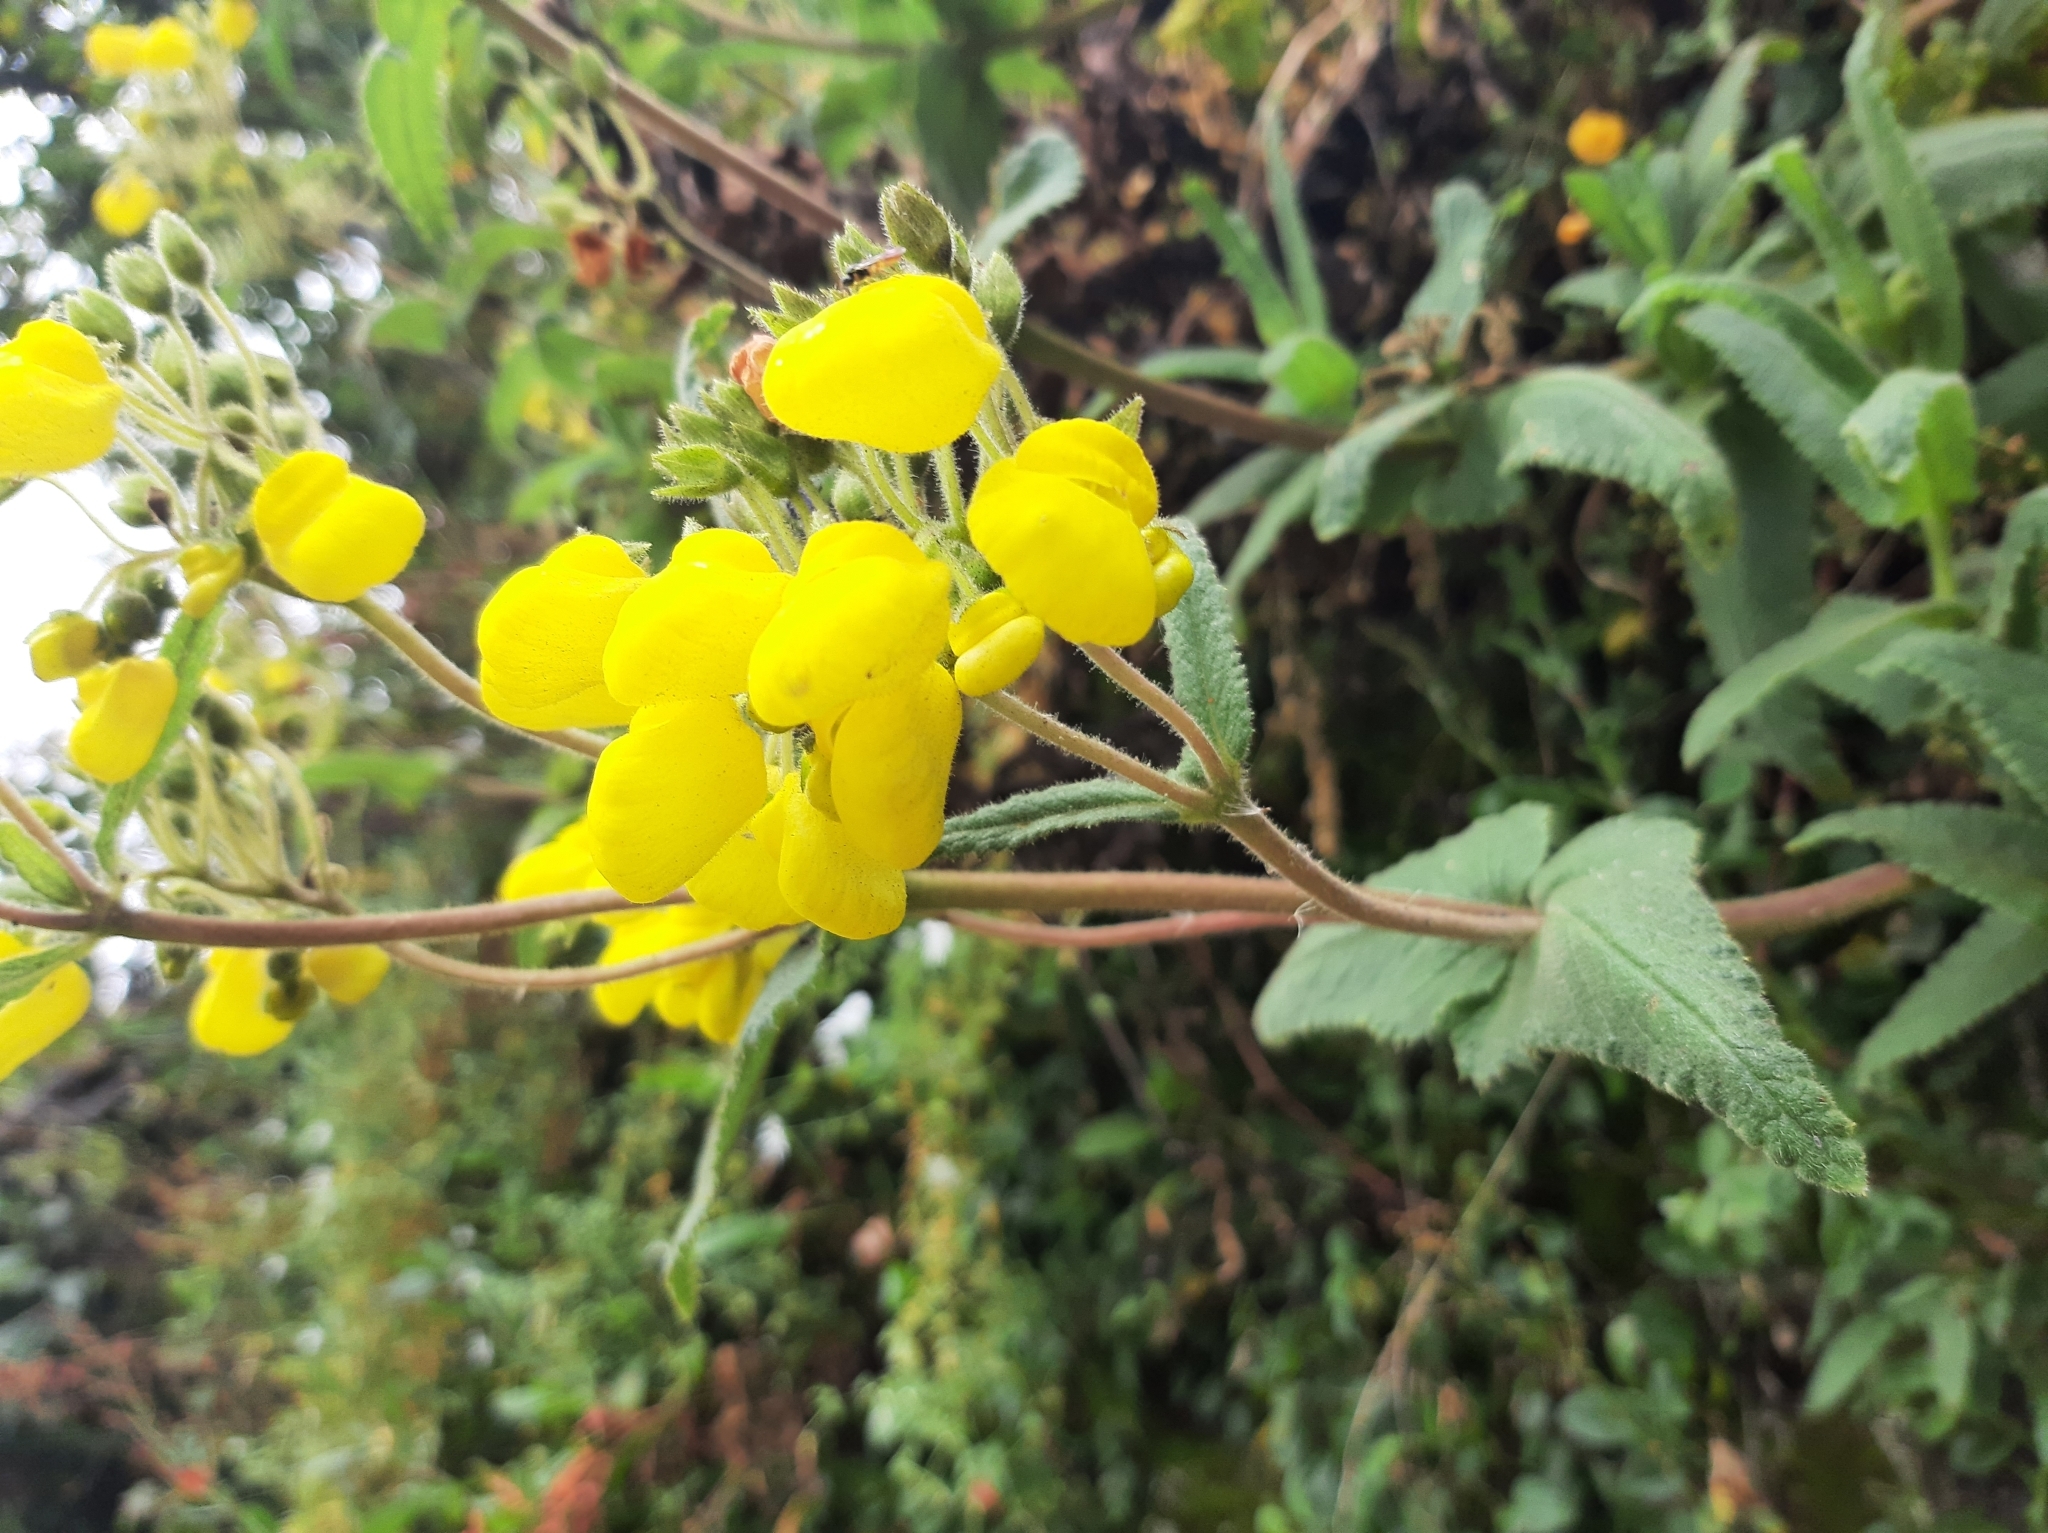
847 646
231 1013
114 50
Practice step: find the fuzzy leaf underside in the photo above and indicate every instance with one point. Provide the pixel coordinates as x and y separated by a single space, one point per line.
1042 812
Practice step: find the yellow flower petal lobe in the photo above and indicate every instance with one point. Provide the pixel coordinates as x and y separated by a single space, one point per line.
124 203
689 631
57 405
741 881
859 628
227 1015
1072 558
892 757
331 533
543 634
347 974
1099 456
31 1023
994 641
830 881
126 707
668 793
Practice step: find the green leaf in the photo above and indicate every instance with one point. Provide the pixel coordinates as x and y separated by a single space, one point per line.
959 120
1763 591
1951 1350
1113 1137
405 114
1998 690
1859 292
2014 616
1027 817
401 778
1225 364
1993 856
1297 249
1715 135
38 869
1402 988
1208 672
1633 968
1610 289
1984 166
1918 434
1809 405
1245 483
1042 173
1284 507
1995 961
1274 314
1345 483
1477 492
1594 195
1823 346
1461 223
1845 625
2005 28
1847 1358
487 247
2015 393
1317 374
188 650
412 324
1912 219
787 984
22 972
1582 420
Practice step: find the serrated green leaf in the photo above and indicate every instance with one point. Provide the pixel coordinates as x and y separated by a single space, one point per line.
1582 420
1318 376
1290 227
1847 1358
1026 817
1809 406
1593 194
1274 314
38 869
1998 690
1984 166
1951 1350
959 121
1847 625
1633 968
1040 174
1763 591
1345 484
1461 223
1715 134
22 972
1823 346
1998 959
1610 289
405 114
1478 491
188 650
1860 299
1402 988
1994 856
2014 616
1912 218
1918 434
1208 672
1245 483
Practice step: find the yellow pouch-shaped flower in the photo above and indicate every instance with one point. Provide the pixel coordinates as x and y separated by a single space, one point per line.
1099 456
994 642
232 23
689 631
902 364
832 882
331 533
211 570
621 1000
543 633
57 405
31 1023
1072 558
227 1015
167 46
347 974
560 865
865 614
124 203
113 51
126 706
66 645
668 793
715 997
891 758
742 880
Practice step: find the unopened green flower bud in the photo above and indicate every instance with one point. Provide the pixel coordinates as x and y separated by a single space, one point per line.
565 96
505 57
235 475
698 473
222 721
289 1002
131 500
183 253
284 965
141 280
167 360
101 316
593 76
1000 292
178 782
278 377
227 381
920 226
236 420
153 588
129 618
294 427
851 500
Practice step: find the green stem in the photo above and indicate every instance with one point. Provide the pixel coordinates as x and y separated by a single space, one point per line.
257 389
1936 524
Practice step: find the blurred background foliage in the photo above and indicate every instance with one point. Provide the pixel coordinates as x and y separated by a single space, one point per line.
1016 1240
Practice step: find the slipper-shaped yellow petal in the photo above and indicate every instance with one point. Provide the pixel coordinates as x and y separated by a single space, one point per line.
31 1023
1098 455
127 705
742 880
892 757
227 1015
994 642
830 881
1072 558
331 533
667 794
543 634
689 631
347 974
57 404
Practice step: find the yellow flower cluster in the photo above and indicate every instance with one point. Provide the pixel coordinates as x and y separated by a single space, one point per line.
242 1008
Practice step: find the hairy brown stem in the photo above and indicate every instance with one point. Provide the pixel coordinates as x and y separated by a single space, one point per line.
1222 776
505 977
1190 927
23 812
1007 705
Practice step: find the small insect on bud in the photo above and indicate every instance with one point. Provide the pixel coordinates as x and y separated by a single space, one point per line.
101 317
129 618
920 226
749 364
593 76
183 253
141 280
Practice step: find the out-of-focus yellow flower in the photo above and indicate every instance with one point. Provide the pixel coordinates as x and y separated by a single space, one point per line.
543 636
865 614
232 23
1597 137
113 51
347 974
227 1015
167 47
124 203
689 631
211 570
560 865
126 707
667 794
889 758
1063 522
712 995
994 642
64 646
902 364
331 533
643 936
31 1023
742 881
829 880
1573 228
57 405
1625 633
